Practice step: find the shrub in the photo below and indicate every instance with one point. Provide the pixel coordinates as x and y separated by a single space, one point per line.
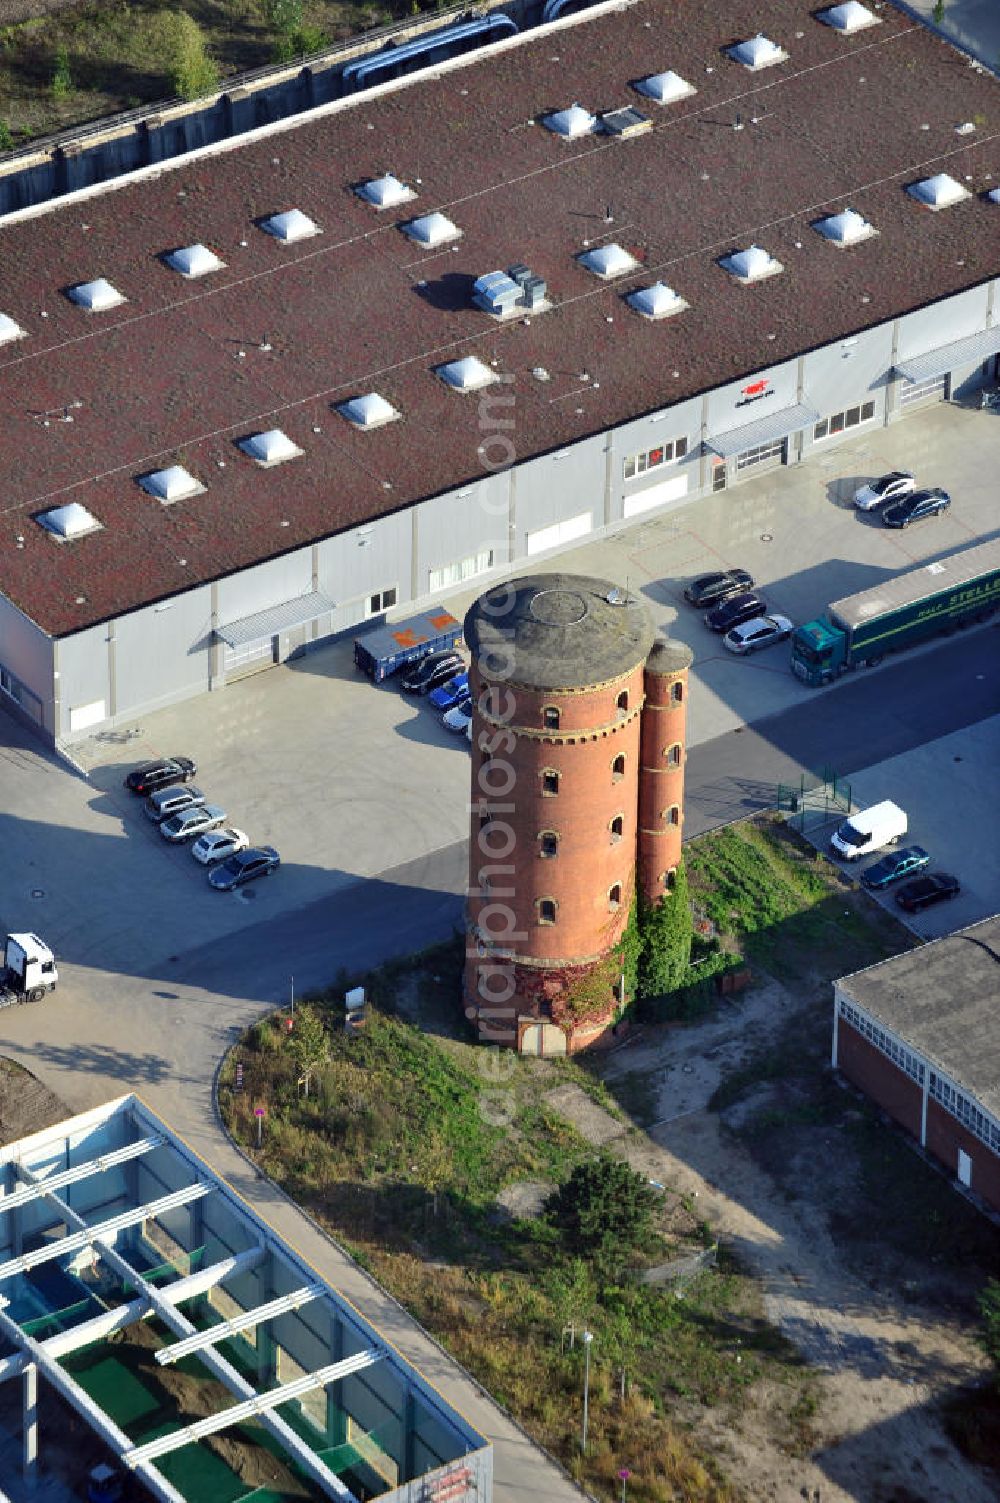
6 139
604 1207
181 42
665 930
62 78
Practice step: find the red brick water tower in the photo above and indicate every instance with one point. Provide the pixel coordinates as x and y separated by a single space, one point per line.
561 669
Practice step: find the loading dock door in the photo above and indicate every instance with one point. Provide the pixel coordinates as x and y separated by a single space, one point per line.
250 657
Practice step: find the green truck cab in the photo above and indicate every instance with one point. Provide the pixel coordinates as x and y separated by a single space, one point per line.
907 608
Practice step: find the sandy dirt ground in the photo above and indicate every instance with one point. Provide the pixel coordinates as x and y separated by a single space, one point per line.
887 1356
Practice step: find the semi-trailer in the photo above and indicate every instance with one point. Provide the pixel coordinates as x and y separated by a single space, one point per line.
907 608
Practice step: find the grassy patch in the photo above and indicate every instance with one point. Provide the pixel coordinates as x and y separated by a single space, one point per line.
402 1150
783 906
90 60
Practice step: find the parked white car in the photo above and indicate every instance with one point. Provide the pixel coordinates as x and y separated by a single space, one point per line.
762 631
458 719
217 845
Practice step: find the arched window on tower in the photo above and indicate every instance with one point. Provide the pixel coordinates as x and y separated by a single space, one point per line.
677 692
623 702
618 768
546 910
550 718
550 782
548 843
617 828
670 879
615 897
673 755
672 816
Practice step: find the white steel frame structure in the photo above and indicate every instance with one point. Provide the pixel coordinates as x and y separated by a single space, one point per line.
55 1193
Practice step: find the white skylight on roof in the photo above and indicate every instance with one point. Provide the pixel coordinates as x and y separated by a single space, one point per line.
431 229
468 374
608 260
852 16
10 330
368 411
67 522
751 265
938 192
571 123
172 484
665 87
658 301
289 226
757 52
194 261
385 192
845 228
270 448
96 297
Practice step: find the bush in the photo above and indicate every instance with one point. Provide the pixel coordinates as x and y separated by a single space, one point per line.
62 78
604 1207
665 931
181 42
6 139
989 1335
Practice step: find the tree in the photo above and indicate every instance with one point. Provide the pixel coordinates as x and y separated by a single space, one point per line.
665 929
603 1208
989 1335
309 1043
191 71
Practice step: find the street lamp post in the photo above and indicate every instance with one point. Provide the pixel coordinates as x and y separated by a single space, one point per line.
588 1337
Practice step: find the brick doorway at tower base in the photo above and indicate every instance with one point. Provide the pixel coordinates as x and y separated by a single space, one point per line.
542 1039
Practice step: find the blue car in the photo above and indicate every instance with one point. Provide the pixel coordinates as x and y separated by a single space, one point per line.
897 864
451 693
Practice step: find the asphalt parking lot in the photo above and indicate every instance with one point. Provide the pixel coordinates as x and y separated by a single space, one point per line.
347 779
945 787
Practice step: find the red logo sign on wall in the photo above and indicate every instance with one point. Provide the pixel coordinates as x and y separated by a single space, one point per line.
755 391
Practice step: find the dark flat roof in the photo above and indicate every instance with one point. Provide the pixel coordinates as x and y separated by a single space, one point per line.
161 379
943 999
557 631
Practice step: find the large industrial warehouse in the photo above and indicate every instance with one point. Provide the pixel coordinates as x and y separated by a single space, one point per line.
918 1033
262 392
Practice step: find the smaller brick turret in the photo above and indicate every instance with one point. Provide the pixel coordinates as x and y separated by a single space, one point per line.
661 767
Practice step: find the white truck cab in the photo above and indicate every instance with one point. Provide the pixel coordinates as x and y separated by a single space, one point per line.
869 830
29 968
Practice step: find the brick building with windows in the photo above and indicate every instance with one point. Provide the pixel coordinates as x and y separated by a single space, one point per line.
577 784
919 1034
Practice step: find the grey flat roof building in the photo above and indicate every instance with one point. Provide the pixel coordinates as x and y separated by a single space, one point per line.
943 999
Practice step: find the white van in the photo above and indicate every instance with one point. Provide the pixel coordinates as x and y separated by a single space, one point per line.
869 830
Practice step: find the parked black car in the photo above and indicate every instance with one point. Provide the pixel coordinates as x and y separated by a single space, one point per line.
709 589
244 866
149 776
443 673
413 682
921 892
916 506
734 611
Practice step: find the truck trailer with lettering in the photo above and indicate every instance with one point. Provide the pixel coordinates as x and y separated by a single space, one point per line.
925 602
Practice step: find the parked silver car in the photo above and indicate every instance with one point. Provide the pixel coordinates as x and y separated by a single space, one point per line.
219 845
191 822
169 801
